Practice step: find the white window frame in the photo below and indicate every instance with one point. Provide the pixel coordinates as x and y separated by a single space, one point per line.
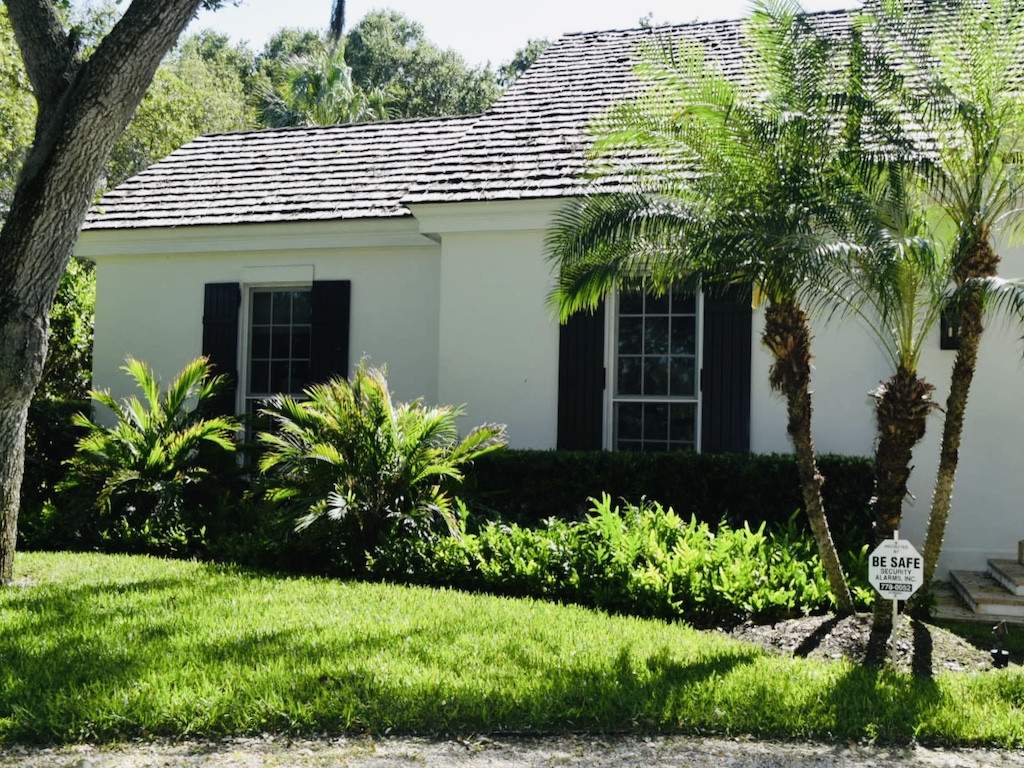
611 367
242 396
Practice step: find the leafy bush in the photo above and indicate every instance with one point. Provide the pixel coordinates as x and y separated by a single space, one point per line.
531 486
149 475
644 560
351 455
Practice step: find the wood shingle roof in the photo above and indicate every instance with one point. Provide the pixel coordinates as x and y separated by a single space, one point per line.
531 144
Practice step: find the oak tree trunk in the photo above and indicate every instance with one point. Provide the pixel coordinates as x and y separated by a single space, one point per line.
84 106
787 334
902 405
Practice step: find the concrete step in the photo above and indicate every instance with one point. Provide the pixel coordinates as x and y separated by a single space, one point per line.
1009 573
949 606
986 596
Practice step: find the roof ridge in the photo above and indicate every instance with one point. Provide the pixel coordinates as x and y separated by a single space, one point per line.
698 23
317 128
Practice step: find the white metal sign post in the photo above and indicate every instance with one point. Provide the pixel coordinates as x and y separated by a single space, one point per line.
896 571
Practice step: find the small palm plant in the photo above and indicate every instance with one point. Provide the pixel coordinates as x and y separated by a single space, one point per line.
141 472
730 180
349 453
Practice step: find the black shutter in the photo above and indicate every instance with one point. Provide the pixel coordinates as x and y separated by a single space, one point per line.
725 378
581 379
332 302
220 341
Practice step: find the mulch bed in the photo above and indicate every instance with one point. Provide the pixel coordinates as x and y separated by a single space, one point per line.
921 648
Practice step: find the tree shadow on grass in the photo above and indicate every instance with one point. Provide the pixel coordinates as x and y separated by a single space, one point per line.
64 652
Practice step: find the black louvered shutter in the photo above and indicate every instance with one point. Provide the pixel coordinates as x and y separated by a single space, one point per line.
581 379
220 341
332 303
725 378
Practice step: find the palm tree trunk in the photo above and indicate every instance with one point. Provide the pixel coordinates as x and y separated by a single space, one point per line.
971 329
787 334
902 405
982 261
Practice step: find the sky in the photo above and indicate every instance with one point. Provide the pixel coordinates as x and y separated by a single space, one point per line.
481 30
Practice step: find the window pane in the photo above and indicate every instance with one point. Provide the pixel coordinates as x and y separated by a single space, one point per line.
282 307
302 310
684 336
656 335
631 335
630 446
629 376
629 425
684 301
261 307
300 343
631 303
655 447
278 377
300 377
279 347
657 305
655 421
681 381
259 377
261 342
683 424
655 375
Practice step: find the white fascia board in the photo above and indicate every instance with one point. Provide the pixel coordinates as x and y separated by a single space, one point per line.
292 236
486 216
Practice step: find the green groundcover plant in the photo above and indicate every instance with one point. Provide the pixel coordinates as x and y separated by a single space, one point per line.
639 559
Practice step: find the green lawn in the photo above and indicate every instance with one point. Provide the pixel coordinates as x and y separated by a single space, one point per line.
109 647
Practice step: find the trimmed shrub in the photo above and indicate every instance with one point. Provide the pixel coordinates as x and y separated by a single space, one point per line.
531 486
643 560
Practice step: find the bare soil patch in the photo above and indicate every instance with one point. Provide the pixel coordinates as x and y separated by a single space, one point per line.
921 648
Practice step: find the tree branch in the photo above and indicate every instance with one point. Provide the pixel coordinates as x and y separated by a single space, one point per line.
44 45
128 56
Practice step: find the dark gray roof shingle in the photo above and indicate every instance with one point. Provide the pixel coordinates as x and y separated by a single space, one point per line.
296 174
531 144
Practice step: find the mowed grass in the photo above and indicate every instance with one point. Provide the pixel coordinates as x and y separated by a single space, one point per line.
103 648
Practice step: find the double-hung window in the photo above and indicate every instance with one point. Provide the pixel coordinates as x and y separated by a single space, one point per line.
280 326
656 371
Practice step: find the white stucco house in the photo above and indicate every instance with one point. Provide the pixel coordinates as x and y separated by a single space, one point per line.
288 255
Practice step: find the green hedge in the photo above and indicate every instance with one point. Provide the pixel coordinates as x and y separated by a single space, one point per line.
530 486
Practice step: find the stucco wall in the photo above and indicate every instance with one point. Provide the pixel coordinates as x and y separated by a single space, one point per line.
498 339
151 306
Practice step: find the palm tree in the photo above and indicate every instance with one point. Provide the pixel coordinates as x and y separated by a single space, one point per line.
896 277
337 26
970 86
729 180
319 89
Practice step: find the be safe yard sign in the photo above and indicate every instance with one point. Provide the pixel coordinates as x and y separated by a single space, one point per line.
896 569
